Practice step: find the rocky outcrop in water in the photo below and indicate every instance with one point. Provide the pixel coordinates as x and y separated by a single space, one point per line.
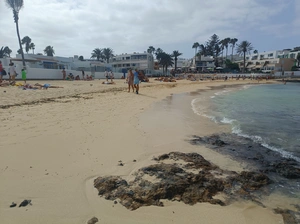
188 178
254 154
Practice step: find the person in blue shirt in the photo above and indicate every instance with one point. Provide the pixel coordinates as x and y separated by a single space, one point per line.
136 81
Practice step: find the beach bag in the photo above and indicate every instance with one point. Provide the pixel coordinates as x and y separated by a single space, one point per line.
3 72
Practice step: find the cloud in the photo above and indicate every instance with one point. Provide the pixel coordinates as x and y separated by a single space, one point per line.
77 27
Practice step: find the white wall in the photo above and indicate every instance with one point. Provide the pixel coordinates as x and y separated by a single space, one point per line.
40 73
295 74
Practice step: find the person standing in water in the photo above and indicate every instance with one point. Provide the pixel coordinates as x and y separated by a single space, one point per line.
136 81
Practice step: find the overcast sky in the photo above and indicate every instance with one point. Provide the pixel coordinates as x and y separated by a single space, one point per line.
76 27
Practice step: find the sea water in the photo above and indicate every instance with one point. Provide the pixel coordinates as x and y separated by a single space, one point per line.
267 114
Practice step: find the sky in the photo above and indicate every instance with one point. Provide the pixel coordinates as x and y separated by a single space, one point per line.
76 27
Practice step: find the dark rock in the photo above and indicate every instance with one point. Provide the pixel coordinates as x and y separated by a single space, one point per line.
13 205
289 216
254 154
180 182
25 203
93 220
287 170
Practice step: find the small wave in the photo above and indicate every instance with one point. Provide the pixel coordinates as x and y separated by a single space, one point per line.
247 86
212 97
236 130
196 108
213 118
285 154
200 110
226 120
223 92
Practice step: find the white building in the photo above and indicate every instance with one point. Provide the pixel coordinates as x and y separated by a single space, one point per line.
204 63
143 61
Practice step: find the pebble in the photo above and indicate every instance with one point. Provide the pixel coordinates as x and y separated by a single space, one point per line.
92 220
25 203
13 205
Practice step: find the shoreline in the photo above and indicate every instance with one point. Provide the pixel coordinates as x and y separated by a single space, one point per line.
50 151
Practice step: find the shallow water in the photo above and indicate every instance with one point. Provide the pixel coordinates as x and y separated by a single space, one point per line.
266 114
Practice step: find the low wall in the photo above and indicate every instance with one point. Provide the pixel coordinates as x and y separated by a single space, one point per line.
288 74
54 74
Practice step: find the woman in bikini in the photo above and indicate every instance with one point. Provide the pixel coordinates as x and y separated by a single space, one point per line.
129 79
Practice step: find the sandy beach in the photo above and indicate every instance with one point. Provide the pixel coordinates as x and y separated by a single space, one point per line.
55 142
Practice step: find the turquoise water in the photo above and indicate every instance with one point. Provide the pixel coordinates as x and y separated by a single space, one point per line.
268 114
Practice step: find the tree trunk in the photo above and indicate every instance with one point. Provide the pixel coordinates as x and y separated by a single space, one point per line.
223 57
175 64
244 62
226 52
232 54
22 53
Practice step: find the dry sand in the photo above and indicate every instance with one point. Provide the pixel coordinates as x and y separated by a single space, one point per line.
54 142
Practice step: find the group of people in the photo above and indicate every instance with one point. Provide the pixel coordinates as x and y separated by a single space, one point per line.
11 73
133 81
71 77
109 75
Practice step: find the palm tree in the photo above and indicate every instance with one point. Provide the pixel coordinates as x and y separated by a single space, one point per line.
107 54
222 46
217 50
27 41
226 41
32 46
97 53
151 50
255 52
196 45
243 48
6 52
158 51
165 60
202 50
176 54
16 6
233 41
3 52
49 51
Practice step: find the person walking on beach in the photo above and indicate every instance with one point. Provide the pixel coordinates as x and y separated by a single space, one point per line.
12 71
24 75
136 81
111 75
82 74
106 75
130 80
64 73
